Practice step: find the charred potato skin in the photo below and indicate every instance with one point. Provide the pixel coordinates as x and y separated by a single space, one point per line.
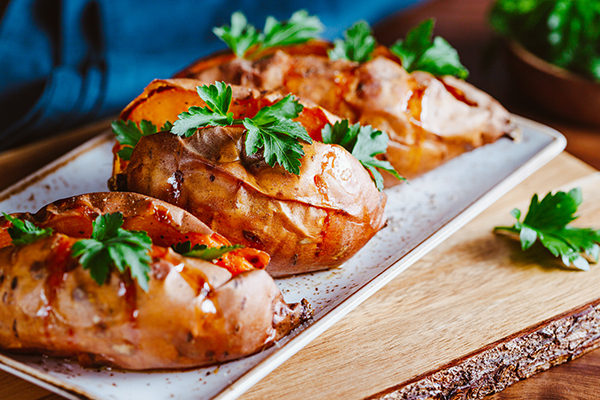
195 313
378 93
307 222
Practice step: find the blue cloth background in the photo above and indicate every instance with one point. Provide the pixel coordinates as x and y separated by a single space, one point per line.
64 63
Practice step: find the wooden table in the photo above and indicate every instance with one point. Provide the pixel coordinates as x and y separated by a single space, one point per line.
442 320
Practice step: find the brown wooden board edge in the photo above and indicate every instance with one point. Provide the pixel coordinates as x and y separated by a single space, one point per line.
500 364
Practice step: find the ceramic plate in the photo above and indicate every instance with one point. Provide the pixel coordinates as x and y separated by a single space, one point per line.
420 215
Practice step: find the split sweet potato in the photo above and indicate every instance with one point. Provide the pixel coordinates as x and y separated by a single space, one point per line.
311 221
195 312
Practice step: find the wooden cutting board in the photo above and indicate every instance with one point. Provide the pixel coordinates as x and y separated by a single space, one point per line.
474 315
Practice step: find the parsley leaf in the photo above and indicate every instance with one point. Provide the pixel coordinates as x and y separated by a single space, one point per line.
287 108
112 245
272 128
278 146
245 41
548 220
129 134
419 52
300 28
202 251
218 99
25 232
240 37
358 44
364 143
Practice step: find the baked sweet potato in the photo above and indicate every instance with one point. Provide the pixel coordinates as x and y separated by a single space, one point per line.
429 119
311 221
194 313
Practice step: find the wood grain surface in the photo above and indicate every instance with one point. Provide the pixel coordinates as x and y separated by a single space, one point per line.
474 294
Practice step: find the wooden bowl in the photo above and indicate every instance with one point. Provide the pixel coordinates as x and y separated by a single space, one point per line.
558 90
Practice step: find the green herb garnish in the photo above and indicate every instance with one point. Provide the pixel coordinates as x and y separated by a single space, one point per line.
112 245
129 134
216 113
271 129
548 220
563 32
358 44
240 36
25 232
364 143
202 251
245 40
300 28
419 52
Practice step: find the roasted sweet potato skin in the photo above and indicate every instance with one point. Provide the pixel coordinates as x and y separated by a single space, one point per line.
195 313
430 120
311 221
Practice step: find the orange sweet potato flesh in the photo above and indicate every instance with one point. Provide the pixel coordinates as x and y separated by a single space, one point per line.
429 119
194 313
307 222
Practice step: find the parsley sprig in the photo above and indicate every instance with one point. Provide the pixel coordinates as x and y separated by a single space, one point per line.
129 134
419 52
112 245
216 113
548 220
246 41
364 143
203 251
240 36
358 44
271 129
25 232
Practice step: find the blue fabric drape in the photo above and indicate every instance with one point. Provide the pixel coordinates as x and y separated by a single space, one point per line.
64 63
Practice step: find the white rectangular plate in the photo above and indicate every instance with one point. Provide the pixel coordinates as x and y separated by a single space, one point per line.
420 215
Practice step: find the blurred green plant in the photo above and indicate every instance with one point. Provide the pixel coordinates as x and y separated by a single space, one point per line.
565 33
